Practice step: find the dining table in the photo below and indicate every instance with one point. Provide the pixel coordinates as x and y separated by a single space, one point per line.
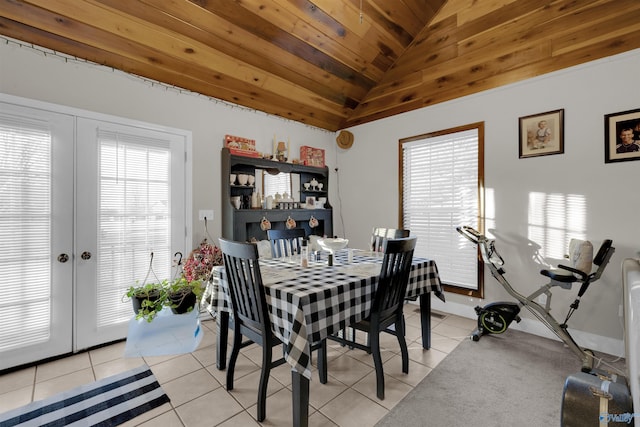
308 302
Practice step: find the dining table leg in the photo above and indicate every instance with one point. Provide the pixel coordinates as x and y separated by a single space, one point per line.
300 397
221 345
425 319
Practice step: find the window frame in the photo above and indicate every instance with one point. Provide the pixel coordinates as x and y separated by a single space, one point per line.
479 126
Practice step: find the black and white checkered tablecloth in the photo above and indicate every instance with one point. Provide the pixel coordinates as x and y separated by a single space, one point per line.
313 302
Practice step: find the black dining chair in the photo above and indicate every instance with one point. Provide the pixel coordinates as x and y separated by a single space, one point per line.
285 242
381 235
251 316
387 306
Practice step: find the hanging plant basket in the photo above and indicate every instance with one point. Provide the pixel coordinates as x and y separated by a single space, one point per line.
182 302
138 302
147 300
182 295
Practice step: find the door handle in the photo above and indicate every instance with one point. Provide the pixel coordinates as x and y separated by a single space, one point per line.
63 258
86 255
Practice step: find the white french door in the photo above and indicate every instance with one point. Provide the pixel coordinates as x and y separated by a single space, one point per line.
36 234
83 203
131 204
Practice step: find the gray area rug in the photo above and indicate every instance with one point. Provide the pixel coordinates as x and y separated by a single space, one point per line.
513 379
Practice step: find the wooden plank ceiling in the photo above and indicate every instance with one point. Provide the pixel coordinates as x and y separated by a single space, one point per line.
330 63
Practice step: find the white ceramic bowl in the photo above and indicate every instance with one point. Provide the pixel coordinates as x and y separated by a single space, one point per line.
243 178
333 244
251 179
232 178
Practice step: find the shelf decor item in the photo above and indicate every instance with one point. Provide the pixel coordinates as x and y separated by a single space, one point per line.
310 156
241 146
280 150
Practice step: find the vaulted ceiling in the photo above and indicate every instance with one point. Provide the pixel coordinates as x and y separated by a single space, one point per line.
329 63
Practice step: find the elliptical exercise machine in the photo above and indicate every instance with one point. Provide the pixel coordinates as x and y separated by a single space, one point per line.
495 318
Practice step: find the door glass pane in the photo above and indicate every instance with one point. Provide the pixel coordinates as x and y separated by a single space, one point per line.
25 231
134 218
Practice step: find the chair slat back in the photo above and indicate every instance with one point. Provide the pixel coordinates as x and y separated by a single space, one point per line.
248 298
394 276
381 235
285 242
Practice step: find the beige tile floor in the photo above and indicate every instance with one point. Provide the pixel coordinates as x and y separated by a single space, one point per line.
199 396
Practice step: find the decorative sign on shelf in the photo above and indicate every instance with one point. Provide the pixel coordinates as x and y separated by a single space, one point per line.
312 156
241 146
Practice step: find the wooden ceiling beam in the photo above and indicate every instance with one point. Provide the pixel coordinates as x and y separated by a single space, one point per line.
255 24
183 17
315 62
128 37
290 109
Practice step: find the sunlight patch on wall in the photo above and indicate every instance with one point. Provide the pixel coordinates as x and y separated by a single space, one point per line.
489 212
555 219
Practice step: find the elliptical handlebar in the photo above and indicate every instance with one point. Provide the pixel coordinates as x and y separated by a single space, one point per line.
487 248
470 233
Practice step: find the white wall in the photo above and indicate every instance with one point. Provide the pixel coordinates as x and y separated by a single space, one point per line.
29 73
586 93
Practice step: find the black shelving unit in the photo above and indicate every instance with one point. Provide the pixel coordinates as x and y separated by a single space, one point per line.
244 224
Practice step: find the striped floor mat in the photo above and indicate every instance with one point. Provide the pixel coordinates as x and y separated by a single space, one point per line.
108 402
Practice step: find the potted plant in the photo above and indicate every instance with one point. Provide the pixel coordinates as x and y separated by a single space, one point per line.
199 266
148 299
201 261
183 294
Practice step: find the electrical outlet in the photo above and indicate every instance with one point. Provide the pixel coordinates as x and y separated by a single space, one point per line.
202 214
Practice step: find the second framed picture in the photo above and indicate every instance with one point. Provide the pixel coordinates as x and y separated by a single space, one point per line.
542 134
622 136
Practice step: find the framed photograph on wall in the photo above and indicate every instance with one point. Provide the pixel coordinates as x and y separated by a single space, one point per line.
622 136
542 134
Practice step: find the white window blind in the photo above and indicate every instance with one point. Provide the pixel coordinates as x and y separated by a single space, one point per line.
440 193
280 183
25 230
134 218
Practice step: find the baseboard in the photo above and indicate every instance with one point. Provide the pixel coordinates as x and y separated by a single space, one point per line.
594 342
